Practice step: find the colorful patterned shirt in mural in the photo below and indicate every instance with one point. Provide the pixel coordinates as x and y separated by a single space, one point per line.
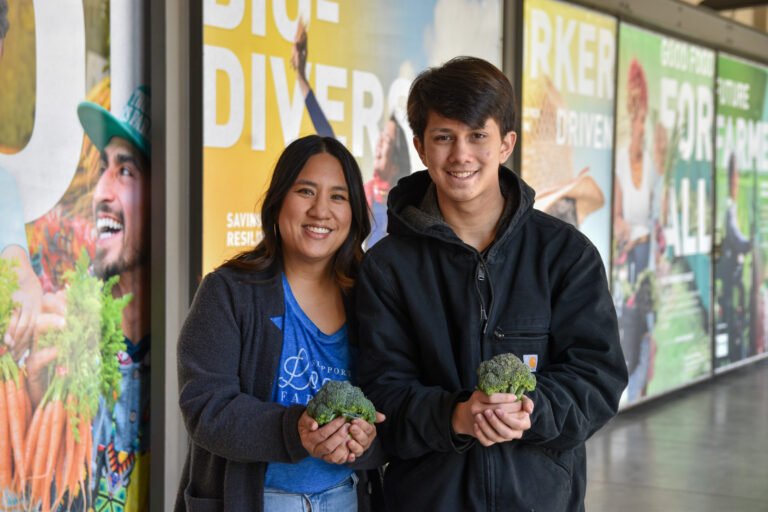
121 439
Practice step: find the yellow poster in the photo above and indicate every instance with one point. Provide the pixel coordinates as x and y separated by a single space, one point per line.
275 71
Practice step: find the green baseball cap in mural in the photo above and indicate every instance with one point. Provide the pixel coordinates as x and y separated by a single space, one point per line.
100 125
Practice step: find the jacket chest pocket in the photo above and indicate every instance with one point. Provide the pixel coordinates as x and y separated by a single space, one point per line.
529 344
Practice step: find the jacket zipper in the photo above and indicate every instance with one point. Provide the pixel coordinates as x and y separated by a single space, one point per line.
482 275
483 313
490 505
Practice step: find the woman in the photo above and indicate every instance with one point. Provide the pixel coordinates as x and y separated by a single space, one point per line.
265 331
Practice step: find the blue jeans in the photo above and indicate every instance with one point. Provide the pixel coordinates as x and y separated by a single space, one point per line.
342 497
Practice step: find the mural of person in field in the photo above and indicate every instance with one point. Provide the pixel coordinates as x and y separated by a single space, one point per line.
74 410
121 217
113 423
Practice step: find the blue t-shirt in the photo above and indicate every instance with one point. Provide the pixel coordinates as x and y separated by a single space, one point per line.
309 359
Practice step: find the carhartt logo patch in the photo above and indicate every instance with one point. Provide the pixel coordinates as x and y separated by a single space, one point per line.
531 360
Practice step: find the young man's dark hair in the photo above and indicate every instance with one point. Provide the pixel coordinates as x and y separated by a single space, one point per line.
466 89
471 270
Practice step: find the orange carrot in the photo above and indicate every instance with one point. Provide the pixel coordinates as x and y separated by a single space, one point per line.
41 452
77 464
27 402
31 441
61 462
6 459
88 448
16 424
69 450
57 428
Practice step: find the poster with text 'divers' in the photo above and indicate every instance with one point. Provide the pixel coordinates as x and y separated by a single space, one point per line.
276 71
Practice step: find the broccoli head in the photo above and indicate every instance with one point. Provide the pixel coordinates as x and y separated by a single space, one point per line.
505 373
340 398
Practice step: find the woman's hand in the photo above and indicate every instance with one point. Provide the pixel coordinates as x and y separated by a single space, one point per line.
361 435
328 442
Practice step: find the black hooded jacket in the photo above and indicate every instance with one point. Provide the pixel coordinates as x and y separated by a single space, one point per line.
431 308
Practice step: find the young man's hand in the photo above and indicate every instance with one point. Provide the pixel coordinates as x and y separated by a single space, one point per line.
493 419
361 435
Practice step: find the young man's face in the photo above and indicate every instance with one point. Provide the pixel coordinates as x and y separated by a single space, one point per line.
120 209
462 161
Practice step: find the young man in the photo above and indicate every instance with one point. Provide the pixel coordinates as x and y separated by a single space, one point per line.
471 270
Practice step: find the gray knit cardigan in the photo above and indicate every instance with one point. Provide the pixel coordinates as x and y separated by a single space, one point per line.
228 353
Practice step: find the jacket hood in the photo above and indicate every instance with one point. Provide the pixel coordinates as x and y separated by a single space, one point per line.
412 207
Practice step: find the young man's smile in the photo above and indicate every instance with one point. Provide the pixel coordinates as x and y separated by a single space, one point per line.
463 161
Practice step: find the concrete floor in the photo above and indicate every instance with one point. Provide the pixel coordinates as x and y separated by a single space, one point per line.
700 449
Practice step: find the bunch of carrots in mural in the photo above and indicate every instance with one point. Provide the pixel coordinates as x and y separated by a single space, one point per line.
45 454
15 406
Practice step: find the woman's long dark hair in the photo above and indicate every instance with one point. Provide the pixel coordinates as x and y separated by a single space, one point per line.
267 256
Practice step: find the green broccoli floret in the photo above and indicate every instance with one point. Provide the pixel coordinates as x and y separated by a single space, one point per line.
505 373
340 398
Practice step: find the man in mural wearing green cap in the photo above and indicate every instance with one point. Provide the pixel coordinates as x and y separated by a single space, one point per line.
121 217
120 204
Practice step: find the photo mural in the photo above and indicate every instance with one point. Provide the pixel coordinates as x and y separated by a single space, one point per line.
663 196
74 256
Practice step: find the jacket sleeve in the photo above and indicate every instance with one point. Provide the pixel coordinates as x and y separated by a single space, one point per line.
218 415
578 392
418 416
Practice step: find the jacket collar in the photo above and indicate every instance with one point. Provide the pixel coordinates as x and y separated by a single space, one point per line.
412 208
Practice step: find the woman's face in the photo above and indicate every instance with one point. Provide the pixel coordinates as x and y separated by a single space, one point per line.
383 166
316 215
